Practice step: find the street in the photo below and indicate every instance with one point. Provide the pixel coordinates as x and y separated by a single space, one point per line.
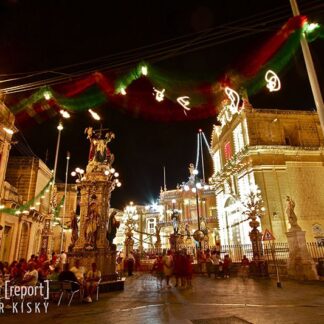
209 301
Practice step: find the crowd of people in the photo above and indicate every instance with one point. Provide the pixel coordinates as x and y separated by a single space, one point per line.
180 265
40 268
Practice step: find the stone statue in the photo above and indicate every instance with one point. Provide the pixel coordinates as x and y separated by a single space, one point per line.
75 230
91 226
99 151
113 224
175 221
292 218
157 233
187 230
191 172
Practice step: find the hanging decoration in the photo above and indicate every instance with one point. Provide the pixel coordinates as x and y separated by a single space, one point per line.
234 97
184 102
131 91
273 81
159 94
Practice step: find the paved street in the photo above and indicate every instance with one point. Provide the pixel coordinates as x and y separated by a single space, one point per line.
214 300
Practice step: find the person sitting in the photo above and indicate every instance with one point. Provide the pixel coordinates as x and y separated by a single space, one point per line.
78 271
92 281
67 275
54 276
31 276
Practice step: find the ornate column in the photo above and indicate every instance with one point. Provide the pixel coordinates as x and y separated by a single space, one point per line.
99 180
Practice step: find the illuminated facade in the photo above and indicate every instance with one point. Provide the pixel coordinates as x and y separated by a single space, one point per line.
280 151
184 201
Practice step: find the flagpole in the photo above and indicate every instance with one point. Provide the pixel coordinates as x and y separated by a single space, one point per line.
310 70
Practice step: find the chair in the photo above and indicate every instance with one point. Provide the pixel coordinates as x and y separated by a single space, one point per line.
70 288
55 288
98 288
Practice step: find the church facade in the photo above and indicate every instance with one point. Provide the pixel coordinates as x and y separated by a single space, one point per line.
280 152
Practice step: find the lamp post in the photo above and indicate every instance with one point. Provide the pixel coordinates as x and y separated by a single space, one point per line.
253 208
130 217
65 193
195 187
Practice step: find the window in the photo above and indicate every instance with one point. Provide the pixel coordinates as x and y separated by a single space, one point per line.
238 138
217 161
151 225
227 151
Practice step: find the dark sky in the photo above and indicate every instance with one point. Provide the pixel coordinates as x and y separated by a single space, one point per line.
37 35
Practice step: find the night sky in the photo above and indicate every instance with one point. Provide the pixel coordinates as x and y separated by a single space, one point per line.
43 35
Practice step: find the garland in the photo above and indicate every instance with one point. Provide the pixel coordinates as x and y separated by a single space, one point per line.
136 91
26 207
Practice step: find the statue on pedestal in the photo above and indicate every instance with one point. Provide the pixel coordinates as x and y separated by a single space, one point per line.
113 224
91 226
175 221
292 218
75 231
99 152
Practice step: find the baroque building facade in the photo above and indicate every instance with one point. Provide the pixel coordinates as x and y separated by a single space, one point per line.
280 152
189 201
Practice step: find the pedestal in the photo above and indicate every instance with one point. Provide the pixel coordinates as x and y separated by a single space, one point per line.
300 264
258 266
104 258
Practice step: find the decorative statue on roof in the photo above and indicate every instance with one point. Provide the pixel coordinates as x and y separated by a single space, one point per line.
99 151
191 172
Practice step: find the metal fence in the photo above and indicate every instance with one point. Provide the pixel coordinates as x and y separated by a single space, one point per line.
271 251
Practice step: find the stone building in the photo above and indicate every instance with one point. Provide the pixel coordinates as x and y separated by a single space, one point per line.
65 215
189 201
26 177
279 151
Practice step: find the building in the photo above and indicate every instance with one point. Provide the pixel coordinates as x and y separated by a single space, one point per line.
189 200
67 208
280 152
27 189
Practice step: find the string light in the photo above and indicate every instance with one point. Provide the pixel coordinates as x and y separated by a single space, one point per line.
144 70
65 114
94 114
47 95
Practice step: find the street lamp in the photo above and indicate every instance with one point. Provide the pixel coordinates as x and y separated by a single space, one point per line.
195 186
78 172
253 208
130 218
65 192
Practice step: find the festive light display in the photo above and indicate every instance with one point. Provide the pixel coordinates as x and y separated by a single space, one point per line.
159 94
184 102
234 98
128 91
273 81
